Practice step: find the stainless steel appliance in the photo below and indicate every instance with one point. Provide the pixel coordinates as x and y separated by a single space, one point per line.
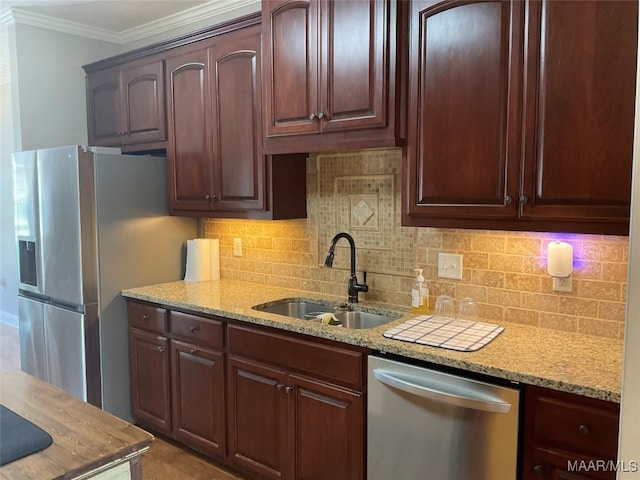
429 425
89 223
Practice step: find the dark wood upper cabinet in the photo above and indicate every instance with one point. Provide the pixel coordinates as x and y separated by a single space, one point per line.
125 106
214 146
521 115
579 112
331 67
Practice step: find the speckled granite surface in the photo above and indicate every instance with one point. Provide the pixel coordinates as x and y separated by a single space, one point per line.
570 362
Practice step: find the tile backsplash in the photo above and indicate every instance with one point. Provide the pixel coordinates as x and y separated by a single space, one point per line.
360 193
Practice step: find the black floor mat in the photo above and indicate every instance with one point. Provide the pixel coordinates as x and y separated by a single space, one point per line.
19 437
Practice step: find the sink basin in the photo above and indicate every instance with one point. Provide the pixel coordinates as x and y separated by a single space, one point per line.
349 316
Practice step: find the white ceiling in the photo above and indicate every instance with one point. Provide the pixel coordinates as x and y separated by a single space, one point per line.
117 21
112 15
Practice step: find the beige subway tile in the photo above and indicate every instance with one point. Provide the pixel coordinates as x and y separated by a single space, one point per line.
437 288
518 315
600 290
504 298
264 243
623 292
603 251
599 328
524 246
540 302
489 244
587 269
476 292
579 307
534 265
488 278
506 263
554 321
516 281
614 272
612 311
457 242
475 260
491 313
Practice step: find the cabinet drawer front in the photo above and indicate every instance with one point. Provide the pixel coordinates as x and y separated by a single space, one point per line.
147 317
197 328
334 363
586 426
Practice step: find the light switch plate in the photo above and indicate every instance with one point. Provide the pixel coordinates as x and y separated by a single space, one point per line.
450 266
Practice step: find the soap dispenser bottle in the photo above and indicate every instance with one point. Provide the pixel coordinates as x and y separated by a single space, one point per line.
419 294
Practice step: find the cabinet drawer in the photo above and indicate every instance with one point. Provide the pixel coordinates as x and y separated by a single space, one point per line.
147 317
198 329
584 424
335 363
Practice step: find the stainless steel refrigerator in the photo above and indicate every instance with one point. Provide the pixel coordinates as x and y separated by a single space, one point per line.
89 223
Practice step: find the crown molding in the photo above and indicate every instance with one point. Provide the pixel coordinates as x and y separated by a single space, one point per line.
187 17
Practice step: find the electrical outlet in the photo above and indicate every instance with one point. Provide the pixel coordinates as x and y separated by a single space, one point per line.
237 247
562 284
450 266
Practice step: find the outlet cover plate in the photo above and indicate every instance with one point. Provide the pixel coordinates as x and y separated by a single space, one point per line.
237 247
450 266
562 284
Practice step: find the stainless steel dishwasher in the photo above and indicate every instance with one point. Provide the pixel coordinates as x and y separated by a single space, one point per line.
429 425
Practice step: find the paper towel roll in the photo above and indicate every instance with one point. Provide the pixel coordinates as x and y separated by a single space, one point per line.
215 258
198 260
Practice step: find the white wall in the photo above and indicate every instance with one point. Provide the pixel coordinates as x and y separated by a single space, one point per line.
43 105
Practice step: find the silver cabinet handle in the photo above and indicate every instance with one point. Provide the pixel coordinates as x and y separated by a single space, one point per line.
288 389
312 116
321 115
524 199
160 349
193 351
279 386
420 387
507 199
194 328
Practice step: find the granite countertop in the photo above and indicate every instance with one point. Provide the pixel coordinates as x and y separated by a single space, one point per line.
570 362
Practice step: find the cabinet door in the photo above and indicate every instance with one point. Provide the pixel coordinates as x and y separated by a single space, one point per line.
290 49
239 168
189 146
258 440
579 111
150 388
143 97
328 423
463 152
104 103
198 397
354 62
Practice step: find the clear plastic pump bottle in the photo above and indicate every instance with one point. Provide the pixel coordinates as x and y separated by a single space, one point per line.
419 294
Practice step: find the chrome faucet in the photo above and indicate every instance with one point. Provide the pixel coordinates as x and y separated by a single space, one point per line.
354 286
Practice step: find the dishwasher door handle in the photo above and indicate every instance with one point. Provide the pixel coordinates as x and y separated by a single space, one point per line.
460 397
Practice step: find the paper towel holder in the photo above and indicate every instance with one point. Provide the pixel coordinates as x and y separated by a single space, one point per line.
560 265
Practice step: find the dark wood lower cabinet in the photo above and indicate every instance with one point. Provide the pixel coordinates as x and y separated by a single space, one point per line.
257 418
150 397
270 404
569 437
198 409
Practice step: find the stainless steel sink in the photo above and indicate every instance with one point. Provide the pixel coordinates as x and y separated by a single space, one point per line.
350 316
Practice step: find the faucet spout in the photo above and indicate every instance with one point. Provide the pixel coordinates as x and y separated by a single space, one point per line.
354 286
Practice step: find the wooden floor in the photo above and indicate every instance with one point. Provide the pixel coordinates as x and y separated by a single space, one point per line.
163 461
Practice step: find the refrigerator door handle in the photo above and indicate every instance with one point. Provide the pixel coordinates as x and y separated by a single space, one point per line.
466 398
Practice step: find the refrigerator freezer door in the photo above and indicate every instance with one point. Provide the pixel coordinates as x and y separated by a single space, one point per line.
67 225
32 345
25 193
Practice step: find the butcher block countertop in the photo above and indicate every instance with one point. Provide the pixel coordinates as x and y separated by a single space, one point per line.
86 440
570 362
